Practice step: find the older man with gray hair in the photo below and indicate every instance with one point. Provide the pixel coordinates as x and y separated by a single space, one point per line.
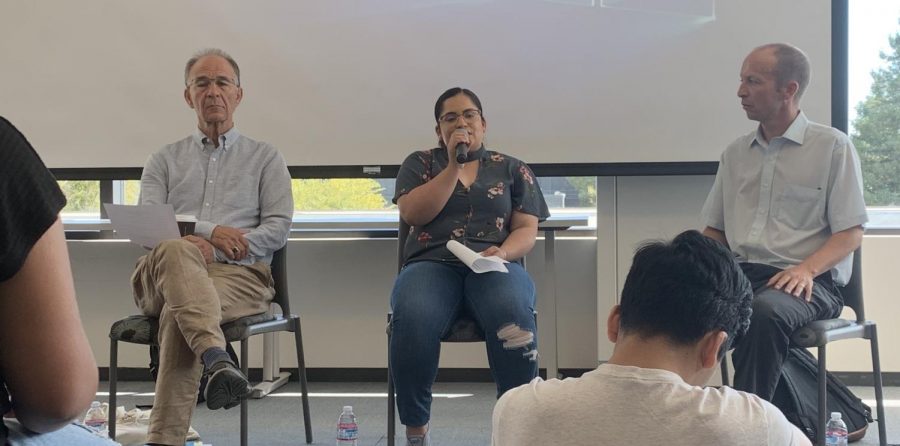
239 190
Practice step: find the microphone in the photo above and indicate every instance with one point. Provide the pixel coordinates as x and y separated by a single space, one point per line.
461 153
462 150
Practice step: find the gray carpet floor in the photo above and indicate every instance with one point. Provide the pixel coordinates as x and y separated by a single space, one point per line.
461 414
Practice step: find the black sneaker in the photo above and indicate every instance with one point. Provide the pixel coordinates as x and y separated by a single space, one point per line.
226 386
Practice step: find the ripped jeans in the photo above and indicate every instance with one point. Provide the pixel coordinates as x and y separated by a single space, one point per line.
428 297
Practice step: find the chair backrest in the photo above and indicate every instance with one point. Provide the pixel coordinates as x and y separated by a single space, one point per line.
852 291
279 276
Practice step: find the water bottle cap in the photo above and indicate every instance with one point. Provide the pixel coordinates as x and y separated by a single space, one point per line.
835 415
95 404
348 408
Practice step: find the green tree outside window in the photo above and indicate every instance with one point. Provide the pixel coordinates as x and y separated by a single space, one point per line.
81 196
338 194
877 132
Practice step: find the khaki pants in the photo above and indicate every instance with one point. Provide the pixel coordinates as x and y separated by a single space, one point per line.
191 299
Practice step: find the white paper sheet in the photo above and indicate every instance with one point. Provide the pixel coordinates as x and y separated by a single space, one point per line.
476 261
145 225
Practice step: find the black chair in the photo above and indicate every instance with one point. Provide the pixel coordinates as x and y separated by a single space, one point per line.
820 333
144 330
464 329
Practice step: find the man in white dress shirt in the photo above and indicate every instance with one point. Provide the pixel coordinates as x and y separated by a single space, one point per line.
788 202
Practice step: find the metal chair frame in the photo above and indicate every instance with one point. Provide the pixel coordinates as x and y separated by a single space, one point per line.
819 333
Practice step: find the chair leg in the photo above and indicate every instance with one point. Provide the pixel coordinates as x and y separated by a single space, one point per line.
823 389
879 389
391 427
304 390
245 367
113 384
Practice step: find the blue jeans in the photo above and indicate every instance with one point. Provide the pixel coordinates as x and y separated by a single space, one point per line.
74 434
428 297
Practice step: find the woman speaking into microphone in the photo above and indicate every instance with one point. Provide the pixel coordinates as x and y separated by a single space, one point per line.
489 202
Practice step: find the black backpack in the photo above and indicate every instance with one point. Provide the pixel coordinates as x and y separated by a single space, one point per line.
797 395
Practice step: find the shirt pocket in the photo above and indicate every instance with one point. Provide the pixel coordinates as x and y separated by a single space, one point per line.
801 207
242 192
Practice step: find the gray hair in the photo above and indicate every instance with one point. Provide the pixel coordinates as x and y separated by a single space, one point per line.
211 52
791 65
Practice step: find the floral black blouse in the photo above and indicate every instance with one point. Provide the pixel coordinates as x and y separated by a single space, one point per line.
477 216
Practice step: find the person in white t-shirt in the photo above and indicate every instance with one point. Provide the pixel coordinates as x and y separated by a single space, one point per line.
683 304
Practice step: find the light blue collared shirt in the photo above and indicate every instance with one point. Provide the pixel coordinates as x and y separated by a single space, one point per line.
779 202
243 183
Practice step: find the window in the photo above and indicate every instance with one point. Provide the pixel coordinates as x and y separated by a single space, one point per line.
368 199
573 196
126 191
82 199
874 100
342 194
340 199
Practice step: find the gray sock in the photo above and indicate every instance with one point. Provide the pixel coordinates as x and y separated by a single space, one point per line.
213 355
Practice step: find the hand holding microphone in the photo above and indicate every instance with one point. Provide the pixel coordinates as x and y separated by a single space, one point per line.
462 147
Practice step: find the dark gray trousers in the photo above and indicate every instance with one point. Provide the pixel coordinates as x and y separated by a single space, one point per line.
760 354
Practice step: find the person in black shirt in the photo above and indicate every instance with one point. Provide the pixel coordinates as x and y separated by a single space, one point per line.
48 376
490 203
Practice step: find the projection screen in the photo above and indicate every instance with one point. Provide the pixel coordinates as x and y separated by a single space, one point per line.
99 83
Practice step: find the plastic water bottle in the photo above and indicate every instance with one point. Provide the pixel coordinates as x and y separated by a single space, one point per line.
836 431
347 428
95 418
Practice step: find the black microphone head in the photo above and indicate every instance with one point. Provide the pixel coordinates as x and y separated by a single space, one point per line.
461 152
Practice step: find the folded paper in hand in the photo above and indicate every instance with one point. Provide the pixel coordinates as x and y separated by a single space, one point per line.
476 261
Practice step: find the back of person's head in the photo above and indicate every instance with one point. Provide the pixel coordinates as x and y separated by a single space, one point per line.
684 289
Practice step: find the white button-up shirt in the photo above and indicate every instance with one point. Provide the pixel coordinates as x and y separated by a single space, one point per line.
779 202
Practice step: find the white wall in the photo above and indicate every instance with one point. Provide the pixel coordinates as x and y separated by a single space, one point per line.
341 287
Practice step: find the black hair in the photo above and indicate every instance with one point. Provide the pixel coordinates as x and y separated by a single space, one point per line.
439 105
684 289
